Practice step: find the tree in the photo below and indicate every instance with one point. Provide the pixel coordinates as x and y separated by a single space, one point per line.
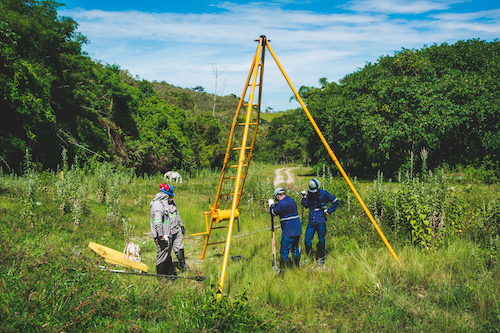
199 88
442 98
39 52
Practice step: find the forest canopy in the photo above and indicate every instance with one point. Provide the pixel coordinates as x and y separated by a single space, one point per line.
54 95
441 99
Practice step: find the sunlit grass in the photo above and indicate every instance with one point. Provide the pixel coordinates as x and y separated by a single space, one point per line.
361 287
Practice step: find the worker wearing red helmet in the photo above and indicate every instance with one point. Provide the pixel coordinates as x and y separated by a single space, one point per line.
160 231
176 229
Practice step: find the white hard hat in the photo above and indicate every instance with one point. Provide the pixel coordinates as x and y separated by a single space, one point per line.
314 185
278 190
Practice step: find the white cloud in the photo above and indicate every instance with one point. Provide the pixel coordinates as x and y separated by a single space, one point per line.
493 14
400 6
181 49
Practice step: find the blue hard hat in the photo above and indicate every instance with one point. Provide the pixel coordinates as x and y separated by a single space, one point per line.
169 189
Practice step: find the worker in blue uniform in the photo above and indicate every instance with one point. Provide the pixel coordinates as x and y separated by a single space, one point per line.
317 201
291 229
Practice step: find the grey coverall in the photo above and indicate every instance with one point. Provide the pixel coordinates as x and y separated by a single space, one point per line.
175 226
160 226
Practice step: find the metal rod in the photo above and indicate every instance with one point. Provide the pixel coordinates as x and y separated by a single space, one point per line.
197 278
240 166
334 158
273 242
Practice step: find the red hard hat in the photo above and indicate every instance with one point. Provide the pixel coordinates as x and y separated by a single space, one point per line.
169 189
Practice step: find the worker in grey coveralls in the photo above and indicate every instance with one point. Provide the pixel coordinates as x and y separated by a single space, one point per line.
160 230
176 229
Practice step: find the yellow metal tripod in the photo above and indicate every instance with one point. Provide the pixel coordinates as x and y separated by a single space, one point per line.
241 143
244 147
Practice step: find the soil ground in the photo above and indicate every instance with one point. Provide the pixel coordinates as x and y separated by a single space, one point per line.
279 177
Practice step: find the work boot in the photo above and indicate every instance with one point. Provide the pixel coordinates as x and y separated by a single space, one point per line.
171 268
309 253
182 260
162 269
281 266
285 264
321 254
296 261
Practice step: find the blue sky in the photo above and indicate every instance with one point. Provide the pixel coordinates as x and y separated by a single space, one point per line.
183 42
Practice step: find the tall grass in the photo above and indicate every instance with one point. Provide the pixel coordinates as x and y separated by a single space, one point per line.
449 283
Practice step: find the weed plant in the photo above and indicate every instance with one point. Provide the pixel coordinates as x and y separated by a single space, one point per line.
29 201
445 283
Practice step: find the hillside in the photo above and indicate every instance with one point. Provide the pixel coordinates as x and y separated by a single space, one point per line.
441 100
56 97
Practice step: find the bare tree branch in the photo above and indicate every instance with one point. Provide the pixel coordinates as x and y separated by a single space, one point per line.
5 163
216 73
74 142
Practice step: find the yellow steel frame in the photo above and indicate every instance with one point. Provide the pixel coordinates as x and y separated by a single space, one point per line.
217 215
334 158
245 149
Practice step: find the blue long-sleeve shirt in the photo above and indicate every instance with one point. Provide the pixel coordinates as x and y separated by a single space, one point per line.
317 202
286 209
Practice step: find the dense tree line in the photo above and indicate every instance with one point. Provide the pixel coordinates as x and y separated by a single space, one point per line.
53 95
443 98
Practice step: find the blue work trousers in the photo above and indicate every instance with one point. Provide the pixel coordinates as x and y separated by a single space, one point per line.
286 244
320 228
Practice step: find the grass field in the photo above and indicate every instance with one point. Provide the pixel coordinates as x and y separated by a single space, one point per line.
270 116
445 283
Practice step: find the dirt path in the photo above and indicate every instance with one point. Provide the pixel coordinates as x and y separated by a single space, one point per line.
194 245
279 177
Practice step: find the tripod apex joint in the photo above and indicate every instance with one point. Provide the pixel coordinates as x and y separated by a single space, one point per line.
263 37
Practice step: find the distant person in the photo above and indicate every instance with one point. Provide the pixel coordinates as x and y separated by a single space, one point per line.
160 231
317 201
176 229
291 229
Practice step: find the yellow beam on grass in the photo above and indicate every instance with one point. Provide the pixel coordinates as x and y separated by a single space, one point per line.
116 257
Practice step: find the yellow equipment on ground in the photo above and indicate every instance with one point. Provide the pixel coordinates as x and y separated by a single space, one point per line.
241 141
116 257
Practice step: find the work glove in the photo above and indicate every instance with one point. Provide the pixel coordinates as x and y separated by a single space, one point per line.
270 202
304 194
326 211
183 229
